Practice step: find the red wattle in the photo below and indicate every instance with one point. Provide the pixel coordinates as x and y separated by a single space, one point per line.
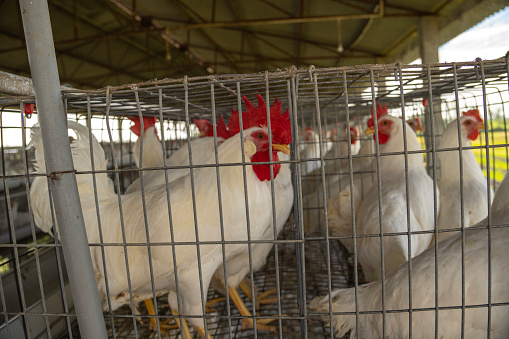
382 138
473 135
263 171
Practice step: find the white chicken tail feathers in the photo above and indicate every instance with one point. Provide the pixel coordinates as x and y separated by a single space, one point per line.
80 149
342 301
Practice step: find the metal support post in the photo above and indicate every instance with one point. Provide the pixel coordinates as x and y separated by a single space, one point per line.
57 151
429 42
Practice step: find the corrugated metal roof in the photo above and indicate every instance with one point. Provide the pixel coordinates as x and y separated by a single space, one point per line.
112 42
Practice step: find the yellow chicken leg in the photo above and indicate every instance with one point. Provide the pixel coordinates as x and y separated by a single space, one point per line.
261 299
163 325
186 332
211 302
245 286
248 322
201 332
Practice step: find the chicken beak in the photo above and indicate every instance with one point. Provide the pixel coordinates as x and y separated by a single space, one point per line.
370 130
281 148
481 126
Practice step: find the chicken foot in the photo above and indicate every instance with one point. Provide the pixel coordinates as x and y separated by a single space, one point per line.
249 322
208 305
164 326
245 286
186 333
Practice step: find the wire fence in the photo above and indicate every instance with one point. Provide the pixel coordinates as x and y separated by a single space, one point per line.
333 168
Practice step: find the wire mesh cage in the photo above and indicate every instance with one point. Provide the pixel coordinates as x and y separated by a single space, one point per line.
332 170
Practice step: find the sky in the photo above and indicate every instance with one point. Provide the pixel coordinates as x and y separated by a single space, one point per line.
488 40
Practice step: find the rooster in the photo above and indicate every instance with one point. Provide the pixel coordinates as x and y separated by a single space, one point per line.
485 260
238 268
394 200
475 186
207 225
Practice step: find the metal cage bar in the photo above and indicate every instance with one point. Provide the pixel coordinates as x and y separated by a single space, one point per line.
41 53
302 264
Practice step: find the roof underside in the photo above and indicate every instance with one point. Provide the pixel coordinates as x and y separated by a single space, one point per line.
113 42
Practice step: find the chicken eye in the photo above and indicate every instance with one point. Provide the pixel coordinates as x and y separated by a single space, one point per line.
386 122
260 135
468 122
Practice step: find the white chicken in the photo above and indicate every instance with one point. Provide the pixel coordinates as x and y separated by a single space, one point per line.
475 186
150 141
310 150
339 209
238 267
415 124
339 215
394 201
153 153
340 142
481 252
337 178
339 148
184 228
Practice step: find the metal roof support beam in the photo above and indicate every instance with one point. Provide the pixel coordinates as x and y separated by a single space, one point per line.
280 21
57 151
429 42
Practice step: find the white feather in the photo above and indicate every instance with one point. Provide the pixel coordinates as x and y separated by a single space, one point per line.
475 187
394 206
449 288
157 225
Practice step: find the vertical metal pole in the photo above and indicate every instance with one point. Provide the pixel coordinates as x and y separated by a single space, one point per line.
43 66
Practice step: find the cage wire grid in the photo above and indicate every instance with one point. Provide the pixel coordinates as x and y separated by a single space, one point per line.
317 98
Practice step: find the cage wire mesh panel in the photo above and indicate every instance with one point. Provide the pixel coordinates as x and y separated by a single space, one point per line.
333 164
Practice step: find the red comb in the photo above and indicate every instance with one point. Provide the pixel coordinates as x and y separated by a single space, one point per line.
380 111
474 113
207 128
147 122
257 116
222 130
204 126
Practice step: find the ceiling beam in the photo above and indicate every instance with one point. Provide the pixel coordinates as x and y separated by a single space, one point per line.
247 33
280 21
184 9
70 13
359 36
